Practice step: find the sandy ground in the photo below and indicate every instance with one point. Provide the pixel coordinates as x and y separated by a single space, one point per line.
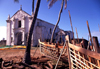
17 54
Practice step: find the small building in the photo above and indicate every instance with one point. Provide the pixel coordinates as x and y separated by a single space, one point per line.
2 42
18 27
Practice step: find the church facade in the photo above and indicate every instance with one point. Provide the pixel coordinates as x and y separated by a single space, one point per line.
18 27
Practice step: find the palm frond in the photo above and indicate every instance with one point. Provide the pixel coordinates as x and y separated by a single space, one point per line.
16 1
65 4
51 2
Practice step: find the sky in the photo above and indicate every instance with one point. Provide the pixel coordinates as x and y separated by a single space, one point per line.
80 10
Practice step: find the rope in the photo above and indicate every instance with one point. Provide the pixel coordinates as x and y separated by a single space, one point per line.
35 50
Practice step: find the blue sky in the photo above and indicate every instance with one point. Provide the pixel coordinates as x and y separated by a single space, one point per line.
80 10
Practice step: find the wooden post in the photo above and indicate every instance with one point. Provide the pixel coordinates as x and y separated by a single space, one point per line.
89 33
68 51
71 24
96 44
77 34
96 47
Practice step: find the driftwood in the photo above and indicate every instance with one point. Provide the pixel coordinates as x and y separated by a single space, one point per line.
50 65
26 65
42 60
37 63
46 67
17 66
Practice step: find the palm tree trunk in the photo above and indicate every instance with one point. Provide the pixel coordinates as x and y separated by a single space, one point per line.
57 21
33 6
27 58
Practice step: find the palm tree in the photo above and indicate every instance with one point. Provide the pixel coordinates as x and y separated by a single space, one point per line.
50 4
27 58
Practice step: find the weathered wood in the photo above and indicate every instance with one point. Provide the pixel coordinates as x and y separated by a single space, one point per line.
42 60
68 52
89 33
50 65
75 57
77 34
96 44
2 64
46 67
17 66
46 44
50 45
26 65
98 63
71 24
90 61
84 51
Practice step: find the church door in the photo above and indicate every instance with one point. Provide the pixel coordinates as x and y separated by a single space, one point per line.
19 38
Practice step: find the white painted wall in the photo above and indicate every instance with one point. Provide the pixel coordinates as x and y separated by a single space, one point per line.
41 29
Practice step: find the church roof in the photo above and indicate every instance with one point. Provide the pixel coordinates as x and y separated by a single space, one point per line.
22 11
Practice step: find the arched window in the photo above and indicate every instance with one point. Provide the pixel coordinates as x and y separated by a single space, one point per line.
19 24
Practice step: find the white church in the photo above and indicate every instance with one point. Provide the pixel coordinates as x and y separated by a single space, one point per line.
18 26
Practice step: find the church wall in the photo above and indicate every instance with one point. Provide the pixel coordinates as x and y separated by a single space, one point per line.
26 24
42 29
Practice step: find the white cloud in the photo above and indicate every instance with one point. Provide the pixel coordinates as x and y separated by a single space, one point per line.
3 32
96 33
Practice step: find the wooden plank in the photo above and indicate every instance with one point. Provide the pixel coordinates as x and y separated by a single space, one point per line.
98 63
68 52
77 34
75 58
96 44
50 65
84 51
89 33
41 60
50 45
71 25
91 62
26 65
17 66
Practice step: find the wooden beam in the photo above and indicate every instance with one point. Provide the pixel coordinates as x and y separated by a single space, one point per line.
96 44
89 33
27 65
68 52
84 51
71 23
17 66
77 34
